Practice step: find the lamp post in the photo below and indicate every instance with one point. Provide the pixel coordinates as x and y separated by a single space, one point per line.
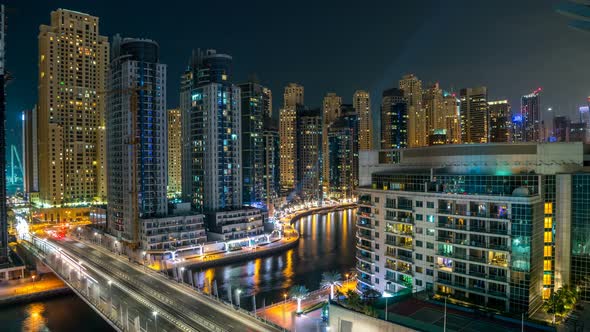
155 313
386 295
238 291
445 317
181 276
110 296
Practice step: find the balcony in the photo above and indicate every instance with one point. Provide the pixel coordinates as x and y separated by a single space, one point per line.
364 247
496 277
497 293
478 259
365 214
453 212
366 280
365 202
367 237
501 247
366 269
364 258
452 226
477 289
405 258
404 207
477 274
367 226
451 254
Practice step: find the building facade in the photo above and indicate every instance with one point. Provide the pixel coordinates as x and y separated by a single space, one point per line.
452 118
331 110
3 212
271 162
309 150
500 121
361 101
474 115
73 61
394 119
30 153
174 153
293 100
411 87
530 111
343 156
477 223
136 137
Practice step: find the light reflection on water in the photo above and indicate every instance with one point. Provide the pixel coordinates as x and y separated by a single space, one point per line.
35 318
326 244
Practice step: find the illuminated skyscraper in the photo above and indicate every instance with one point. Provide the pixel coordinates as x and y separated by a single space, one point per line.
271 162
411 87
343 156
174 153
474 115
293 99
361 102
254 103
530 110
3 213
432 106
330 112
309 147
452 120
73 60
500 121
394 119
136 137
30 153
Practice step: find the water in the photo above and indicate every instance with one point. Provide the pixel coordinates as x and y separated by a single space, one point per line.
60 314
327 244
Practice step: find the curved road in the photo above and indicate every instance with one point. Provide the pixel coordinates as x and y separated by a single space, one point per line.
196 311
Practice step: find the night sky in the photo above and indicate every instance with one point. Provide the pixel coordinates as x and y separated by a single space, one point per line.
512 47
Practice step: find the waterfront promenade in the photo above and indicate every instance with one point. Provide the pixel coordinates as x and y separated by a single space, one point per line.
32 289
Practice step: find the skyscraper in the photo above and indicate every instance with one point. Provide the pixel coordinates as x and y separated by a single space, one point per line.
136 137
309 147
73 60
30 153
3 216
330 112
432 109
361 102
174 153
411 87
293 99
452 120
474 115
500 121
213 135
343 156
271 162
530 110
394 119
266 102
254 101
561 127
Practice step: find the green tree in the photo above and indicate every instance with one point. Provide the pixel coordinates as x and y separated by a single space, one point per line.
299 293
331 280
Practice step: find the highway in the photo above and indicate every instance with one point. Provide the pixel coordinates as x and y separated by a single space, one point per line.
181 307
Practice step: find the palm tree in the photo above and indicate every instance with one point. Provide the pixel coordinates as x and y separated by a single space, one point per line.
331 279
562 301
299 293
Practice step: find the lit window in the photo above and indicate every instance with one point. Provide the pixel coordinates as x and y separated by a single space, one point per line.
548 222
547 265
546 279
548 237
547 251
548 208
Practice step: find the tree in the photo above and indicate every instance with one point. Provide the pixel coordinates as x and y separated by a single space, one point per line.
561 302
353 300
299 293
331 279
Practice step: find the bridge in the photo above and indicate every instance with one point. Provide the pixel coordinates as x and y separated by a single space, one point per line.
132 298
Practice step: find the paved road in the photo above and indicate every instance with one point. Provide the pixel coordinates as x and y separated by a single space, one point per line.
195 310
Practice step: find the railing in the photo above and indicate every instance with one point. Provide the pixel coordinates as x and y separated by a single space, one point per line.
364 258
363 247
364 268
478 259
365 202
369 226
364 236
497 293
497 277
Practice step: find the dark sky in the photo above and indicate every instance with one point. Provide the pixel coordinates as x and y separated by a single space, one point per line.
512 47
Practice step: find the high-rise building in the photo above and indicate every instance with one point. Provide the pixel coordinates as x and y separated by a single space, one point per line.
343 155
411 87
213 134
561 128
500 121
293 99
432 110
174 153
578 132
530 110
394 119
30 153
293 96
253 112
267 102
309 147
361 102
271 162
3 212
474 115
451 114
330 112
136 137
73 61
494 225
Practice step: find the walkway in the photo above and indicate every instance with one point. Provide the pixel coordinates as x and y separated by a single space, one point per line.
47 282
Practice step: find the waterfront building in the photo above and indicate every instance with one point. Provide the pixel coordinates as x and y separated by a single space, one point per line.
136 137
4 249
293 99
235 224
500 121
411 88
270 162
30 154
530 111
309 150
474 115
394 119
253 112
331 110
361 102
477 223
343 155
73 61
174 153
180 228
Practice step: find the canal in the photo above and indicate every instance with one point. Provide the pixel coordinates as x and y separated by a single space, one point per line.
327 244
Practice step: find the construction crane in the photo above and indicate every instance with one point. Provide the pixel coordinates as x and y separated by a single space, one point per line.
133 141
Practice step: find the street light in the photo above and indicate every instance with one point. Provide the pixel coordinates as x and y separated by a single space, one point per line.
386 295
445 318
182 275
239 291
155 313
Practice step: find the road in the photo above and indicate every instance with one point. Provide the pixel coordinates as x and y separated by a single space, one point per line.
197 311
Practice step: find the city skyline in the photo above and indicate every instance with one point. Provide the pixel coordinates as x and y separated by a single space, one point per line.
328 68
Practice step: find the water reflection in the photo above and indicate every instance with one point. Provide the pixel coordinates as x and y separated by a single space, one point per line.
35 319
327 243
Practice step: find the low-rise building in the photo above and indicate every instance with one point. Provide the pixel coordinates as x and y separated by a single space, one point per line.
235 223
